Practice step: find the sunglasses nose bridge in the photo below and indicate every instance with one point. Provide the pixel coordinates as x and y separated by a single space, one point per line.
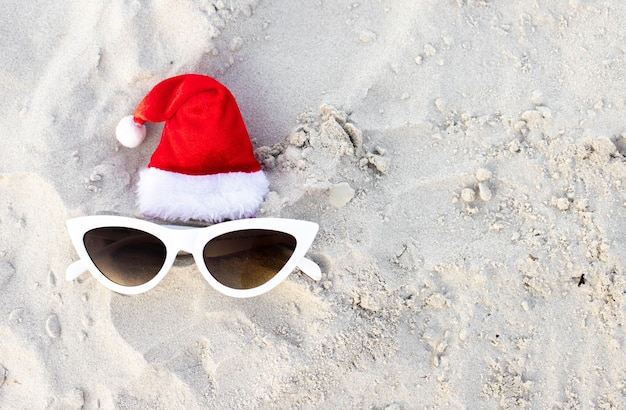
185 239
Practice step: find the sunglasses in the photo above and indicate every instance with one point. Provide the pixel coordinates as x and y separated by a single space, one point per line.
241 258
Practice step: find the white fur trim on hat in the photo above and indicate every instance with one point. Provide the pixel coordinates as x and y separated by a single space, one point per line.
212 198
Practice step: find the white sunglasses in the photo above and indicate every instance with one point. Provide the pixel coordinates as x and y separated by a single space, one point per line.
241 258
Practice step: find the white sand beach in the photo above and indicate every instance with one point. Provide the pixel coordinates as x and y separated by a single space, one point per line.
465 160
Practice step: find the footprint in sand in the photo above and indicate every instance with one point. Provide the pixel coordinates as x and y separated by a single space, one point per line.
53 326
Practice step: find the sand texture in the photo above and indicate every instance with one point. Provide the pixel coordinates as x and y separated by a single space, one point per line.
465 160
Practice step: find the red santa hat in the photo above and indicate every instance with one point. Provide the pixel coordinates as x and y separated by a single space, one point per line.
204 166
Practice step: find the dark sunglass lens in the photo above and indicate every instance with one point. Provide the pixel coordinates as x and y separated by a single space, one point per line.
128 257
249 258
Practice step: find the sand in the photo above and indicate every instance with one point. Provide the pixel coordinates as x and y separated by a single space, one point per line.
465 160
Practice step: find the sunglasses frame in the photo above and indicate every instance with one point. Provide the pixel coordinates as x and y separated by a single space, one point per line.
192 240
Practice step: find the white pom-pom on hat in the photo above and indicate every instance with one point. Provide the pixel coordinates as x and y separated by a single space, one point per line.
130 133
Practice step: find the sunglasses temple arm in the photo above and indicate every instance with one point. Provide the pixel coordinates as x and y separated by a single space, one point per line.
74 270
310 268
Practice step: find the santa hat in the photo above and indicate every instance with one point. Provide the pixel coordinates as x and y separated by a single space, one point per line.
204 166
